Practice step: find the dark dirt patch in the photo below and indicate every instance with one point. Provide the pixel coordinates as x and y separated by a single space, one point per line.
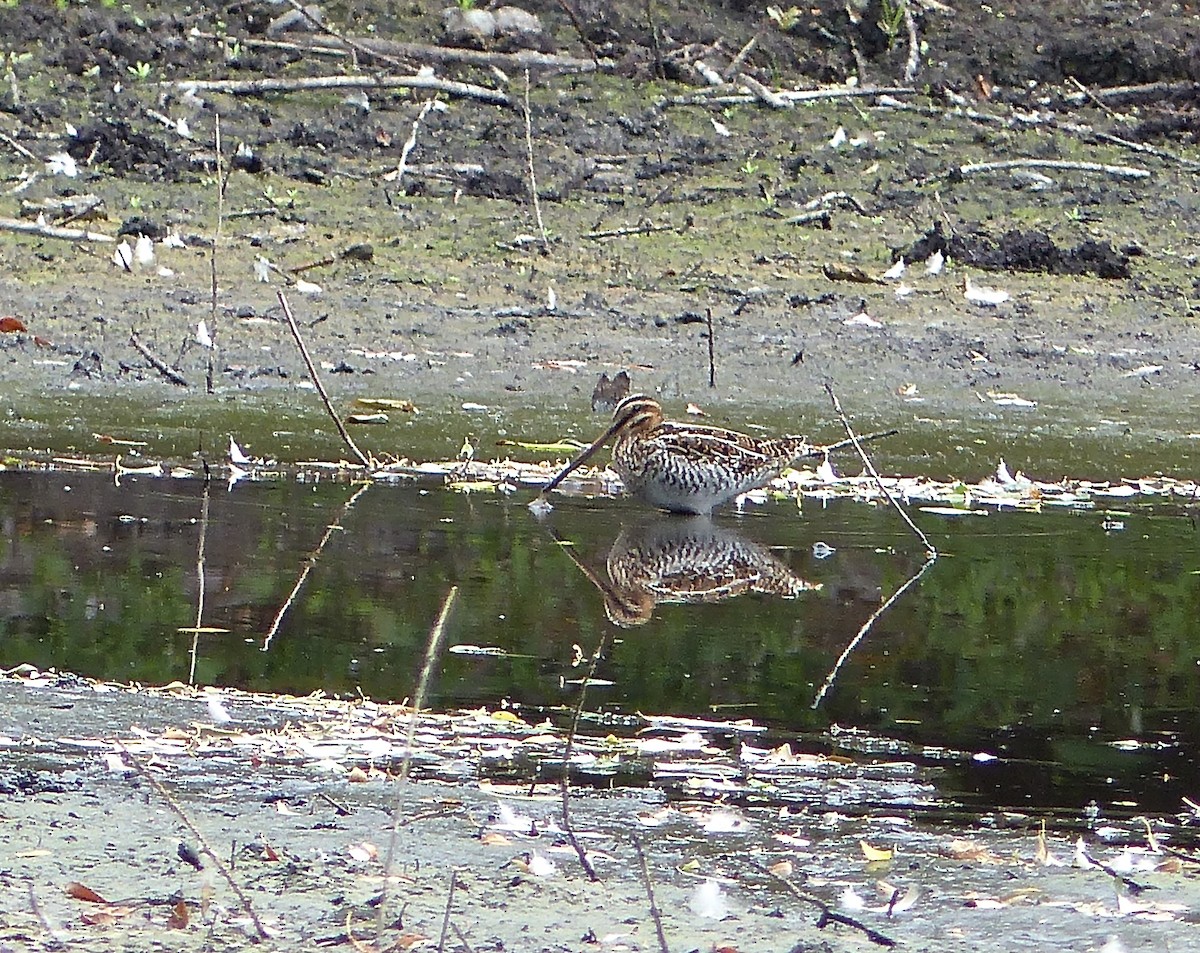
1016 250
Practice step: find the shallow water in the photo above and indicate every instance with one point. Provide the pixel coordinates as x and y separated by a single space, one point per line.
1041 639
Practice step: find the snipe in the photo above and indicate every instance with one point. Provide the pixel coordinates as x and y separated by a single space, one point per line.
687 467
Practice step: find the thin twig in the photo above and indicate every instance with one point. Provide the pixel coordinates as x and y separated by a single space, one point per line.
1096 100
411 142
828 914
432 653
157 362
200 577
655 914
866 628
353 45
56 942
735 65
212 259
162 791
577 23
533 189
20 149
930 549
462 939
712 354
446 918
568 749
310 564
659 71
312 373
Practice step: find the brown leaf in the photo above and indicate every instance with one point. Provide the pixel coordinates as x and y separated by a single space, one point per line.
178 920
79 891
357 775
492 839
9 324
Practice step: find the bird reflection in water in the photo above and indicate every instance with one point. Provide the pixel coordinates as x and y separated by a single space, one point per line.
685 561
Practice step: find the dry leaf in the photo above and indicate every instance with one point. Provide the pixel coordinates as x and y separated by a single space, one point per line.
492 839
781 869
178 920
357 775
78 891
875 854
9 324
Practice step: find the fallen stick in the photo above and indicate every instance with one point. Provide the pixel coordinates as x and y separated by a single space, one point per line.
530 59
1116 171
632 230
52 231
352 45
255 87
788 95
1037 121
157 362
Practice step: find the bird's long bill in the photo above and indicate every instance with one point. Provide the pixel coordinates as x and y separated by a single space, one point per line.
583 457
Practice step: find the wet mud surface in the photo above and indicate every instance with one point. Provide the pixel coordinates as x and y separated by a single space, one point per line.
659 202
303 819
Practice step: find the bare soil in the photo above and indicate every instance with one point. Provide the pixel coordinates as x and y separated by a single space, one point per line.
654 212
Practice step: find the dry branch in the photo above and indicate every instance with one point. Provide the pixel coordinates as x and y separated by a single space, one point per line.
764 93
1116 171
631 230
52 231
157 362
256 87
788 95
524 59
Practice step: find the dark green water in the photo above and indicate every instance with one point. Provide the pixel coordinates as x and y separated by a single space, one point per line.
1038 638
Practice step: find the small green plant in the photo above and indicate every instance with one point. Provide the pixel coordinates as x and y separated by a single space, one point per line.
891 19
287 200
749 167
784 19
466 4
141 71
135 202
